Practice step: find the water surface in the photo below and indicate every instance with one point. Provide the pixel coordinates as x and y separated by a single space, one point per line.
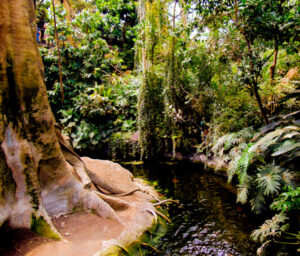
207 221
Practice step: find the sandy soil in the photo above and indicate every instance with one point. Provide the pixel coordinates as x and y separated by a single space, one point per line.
86 234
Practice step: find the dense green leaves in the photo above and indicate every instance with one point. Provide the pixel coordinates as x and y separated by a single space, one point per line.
153 77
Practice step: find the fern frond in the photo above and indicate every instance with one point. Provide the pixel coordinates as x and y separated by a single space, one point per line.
242 193
270 227
246 134
234 152
268 179
257 202
239 165
233 167
243 146
219 143
231 141
243 165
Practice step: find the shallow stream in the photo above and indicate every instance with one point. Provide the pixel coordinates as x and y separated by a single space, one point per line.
207 221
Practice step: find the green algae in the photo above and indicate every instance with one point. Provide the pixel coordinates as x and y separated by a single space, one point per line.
41 227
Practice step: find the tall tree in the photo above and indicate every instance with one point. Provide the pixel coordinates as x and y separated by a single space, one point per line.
263 24
39 175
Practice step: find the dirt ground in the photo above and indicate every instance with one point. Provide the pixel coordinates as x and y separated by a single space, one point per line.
86 234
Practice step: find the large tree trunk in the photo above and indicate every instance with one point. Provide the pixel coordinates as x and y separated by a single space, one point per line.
36 180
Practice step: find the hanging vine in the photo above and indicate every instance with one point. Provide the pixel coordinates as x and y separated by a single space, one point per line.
158 108
152 15
58 52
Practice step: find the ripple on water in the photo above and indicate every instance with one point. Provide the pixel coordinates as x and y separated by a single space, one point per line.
208 221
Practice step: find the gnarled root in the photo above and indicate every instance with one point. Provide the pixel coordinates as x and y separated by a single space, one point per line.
116 203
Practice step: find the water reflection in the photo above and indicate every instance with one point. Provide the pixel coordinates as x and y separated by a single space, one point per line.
207 222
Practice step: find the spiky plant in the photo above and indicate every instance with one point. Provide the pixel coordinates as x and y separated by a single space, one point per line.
270 228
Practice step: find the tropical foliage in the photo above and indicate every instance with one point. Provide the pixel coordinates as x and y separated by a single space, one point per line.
262 165
100 93
141 79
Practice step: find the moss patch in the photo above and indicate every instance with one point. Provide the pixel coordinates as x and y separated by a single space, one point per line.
145 245
40 226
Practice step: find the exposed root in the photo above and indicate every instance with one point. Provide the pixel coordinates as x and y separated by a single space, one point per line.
94 203
152 247
116 203
153 213
129 192
163 216
166 201
103 185
82 171
123 249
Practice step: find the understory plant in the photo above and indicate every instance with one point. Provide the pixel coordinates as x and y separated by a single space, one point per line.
264 167
99 91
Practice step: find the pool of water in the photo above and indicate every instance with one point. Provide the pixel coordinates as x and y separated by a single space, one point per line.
207 221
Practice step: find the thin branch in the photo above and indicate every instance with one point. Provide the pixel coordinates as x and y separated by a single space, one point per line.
172 16
118 70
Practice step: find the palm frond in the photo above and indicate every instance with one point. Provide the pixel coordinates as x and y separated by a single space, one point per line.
295 155
288 177
270 227
286 149
271 138
266 128
291 135
268 179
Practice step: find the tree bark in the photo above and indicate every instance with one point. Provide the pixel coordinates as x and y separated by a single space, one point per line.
36 180
254 85
258 99
273 67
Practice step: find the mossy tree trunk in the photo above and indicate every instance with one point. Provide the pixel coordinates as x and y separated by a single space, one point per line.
36 180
